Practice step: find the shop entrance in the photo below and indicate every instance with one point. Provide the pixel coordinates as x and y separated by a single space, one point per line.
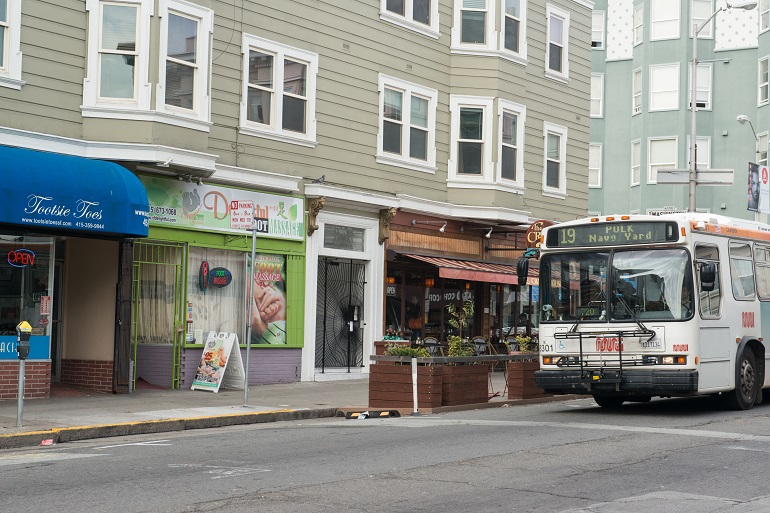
340 314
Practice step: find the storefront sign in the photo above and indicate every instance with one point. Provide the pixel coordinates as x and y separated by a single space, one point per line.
21 257
45 305
220 364
534 231
220 277
224 209
203 276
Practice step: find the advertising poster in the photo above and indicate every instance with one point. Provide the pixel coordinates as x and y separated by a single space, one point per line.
268 300
753 192
213 363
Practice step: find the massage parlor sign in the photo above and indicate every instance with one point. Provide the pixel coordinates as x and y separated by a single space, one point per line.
224 209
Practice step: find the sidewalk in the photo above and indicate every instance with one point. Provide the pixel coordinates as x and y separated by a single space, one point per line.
77 414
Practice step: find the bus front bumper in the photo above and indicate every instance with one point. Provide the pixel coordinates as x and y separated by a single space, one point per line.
610 381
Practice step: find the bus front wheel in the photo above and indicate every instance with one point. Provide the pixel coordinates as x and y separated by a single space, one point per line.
609 401
745 393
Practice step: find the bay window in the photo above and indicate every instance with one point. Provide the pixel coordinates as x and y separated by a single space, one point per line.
417 15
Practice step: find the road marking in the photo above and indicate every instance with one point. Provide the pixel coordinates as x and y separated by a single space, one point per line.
220 472
154 443
25 459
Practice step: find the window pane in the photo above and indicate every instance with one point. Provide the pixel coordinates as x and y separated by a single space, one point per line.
419 112
556 25
392 107
294 114
118 28
508 163
469 162
344 237
260 69
553 146
474 4
421 11
396 6
511 34
509 128
294 77
182 38
4 11
391 137
418 144
180 85
552 174
2 47
471 121
473 27
116 77
512 8
259 105
554 58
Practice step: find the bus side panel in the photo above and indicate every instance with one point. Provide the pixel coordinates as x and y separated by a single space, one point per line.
714 372
764 325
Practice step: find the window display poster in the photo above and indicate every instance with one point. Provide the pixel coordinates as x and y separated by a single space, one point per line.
267 304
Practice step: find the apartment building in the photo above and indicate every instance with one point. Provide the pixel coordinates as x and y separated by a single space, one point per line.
385 149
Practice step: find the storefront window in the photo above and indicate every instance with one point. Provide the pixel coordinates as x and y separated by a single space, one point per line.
393 301
26 277
161 286
458 293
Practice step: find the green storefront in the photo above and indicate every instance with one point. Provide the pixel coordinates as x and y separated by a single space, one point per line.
191 281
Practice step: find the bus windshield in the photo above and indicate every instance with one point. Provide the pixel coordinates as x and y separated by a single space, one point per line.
651 284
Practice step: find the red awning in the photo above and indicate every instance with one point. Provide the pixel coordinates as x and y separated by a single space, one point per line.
476 271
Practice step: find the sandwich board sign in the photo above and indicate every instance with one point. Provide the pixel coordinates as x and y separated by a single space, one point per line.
220 364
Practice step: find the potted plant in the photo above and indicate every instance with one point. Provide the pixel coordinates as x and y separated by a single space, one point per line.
463 383
390 386
392 334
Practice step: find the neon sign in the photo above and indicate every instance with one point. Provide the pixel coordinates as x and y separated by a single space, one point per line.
21 257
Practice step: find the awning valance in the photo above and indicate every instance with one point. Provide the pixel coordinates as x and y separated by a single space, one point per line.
54 192
476 271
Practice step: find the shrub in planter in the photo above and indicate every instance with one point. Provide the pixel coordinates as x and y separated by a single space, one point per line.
403 350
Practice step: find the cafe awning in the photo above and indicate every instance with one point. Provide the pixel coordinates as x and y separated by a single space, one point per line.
50 192
470 270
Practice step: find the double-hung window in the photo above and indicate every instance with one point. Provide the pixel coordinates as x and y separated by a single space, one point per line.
664 87
762 153
664 19
638 24
510 158
479 30
10 44
184 58
764 15
597 30
702 152
418 15
595 165
636 92
762 76
662 154
597 95
636 162
702 87
476 19
700 11
407 124
279 91
555 160
557 49
513 40
470 156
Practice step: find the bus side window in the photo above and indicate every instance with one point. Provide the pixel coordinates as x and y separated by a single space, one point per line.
709 301
741 270
762 270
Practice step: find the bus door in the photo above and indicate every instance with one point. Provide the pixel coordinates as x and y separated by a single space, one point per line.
715 362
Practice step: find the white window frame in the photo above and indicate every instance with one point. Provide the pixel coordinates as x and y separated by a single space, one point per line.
596 165
490 41
636 93
651 164
137 108
638 33
407 21
521 55
708 31
762 144
494 35
274 130
764 15
561 191
10 72
486 178
597 27
555 12
408 89
521 114
598 80
201 111
636 162
653 21
704 70
654 89
763 82
704 149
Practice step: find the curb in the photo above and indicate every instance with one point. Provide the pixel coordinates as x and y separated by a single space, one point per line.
76 433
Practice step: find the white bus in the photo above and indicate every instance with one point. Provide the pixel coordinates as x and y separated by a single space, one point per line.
638 306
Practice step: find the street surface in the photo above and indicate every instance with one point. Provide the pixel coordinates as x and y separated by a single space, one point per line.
677 455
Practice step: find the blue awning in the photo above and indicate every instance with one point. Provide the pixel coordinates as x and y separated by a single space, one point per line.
52 192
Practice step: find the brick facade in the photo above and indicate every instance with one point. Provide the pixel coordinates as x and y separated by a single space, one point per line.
91 374
37 380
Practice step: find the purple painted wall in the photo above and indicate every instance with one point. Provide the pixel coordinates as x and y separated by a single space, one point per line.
153 364
267 366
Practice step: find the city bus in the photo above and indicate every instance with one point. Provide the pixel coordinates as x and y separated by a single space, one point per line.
639 306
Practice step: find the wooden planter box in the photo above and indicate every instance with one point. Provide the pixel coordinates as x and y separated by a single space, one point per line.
465 384
521 380
390 386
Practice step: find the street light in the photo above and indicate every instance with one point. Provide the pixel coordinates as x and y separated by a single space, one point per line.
737 4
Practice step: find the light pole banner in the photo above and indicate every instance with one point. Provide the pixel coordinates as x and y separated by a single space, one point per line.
764 190
753 191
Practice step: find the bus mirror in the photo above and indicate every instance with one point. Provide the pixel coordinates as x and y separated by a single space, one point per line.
708 276
522 270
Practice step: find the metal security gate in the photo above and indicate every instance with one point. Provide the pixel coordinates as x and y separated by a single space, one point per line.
159 292
340 314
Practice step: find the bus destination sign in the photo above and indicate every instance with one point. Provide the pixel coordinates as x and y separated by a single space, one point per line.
612 234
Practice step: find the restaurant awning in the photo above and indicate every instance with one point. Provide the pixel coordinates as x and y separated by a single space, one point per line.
476 271
50 192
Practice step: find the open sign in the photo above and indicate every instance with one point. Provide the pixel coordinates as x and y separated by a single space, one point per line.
21 257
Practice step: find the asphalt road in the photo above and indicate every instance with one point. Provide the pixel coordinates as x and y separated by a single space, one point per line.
572 456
